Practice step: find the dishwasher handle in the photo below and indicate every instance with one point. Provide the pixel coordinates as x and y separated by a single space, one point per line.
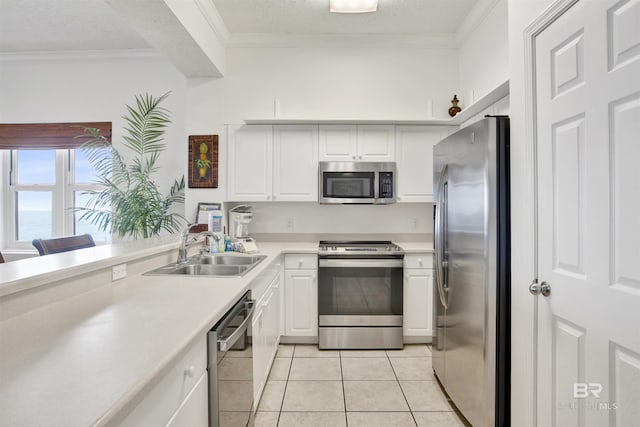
225 343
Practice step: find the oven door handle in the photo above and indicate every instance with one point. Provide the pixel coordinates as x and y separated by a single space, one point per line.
361 263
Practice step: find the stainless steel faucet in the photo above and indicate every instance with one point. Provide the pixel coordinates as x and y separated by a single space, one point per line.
185 242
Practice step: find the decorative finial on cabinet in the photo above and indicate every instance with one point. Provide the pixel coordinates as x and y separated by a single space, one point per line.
455 109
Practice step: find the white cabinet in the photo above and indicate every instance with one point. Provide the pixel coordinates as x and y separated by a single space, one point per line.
414 161
265 328
418 295
273 163
194 411
301 295
357 143
180 397
295 163
250 154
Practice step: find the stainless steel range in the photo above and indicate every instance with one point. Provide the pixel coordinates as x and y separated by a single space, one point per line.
360 295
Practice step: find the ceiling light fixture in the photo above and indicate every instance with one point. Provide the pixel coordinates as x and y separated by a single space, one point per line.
353 6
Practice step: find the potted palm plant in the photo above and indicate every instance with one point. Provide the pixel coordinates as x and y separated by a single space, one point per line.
130 203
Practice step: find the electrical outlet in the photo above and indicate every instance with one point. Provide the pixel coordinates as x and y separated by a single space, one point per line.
118 272
291 223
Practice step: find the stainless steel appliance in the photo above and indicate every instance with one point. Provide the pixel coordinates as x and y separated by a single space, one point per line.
471 346
360 295
230 368
357 182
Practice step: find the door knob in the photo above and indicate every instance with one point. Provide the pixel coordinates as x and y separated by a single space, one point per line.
540 288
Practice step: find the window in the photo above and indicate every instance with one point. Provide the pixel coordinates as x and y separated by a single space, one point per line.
46 179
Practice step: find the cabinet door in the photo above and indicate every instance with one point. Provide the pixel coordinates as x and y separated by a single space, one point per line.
418 302
250 162
194 410
301 302
295 163
260 357
375 143
414 162
338 143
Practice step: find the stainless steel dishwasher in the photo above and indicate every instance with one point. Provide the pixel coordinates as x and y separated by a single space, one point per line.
230 367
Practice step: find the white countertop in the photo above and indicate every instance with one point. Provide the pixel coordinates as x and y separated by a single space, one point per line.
84 360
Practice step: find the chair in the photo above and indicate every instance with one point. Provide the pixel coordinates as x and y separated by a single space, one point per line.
63 244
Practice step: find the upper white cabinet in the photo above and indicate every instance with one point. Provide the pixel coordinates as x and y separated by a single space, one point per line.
295 163
414 161
250 151
357 143
273 163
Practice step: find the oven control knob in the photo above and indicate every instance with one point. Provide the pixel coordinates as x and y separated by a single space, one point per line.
335 248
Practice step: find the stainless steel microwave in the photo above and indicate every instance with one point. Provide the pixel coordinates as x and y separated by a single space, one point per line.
370 183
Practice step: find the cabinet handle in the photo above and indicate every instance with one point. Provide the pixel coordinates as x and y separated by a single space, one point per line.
399 198
274 197
268 197
300 262
420 262
360 157
190 371
353 157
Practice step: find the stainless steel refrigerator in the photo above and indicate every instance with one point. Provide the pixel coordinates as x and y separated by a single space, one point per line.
471 344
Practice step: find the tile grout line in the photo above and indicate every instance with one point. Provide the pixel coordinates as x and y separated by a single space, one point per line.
401 389
344 395
286 384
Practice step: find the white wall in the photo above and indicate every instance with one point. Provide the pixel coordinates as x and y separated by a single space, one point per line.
484 56
322 83
521 14
56 89
400 218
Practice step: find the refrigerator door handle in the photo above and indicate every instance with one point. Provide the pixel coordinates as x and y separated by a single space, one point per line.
439 231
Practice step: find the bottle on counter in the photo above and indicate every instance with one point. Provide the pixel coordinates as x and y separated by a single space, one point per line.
227 244
221 245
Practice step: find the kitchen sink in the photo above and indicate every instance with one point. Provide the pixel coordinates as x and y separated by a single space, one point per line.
221 265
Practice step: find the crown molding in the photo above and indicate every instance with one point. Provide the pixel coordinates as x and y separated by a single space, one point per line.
80 55
474 18
213 18
261 40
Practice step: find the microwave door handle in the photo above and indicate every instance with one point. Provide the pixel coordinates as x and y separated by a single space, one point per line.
376 185
439 230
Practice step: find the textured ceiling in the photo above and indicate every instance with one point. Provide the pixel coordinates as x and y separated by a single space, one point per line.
63 25
81 25
424 17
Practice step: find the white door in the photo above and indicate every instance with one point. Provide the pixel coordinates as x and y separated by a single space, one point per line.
295 163
588 147
418 302
301 302
338 143
414 162
250 149
376 143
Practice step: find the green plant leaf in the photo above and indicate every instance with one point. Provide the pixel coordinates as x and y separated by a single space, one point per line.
130 204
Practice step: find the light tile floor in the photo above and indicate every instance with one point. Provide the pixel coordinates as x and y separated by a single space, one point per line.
308 387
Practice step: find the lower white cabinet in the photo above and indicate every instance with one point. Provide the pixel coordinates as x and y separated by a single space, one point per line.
194 411
265 327
418 296
301 295
180 397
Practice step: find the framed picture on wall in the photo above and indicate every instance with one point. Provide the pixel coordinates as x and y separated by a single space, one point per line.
203 161
202 213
